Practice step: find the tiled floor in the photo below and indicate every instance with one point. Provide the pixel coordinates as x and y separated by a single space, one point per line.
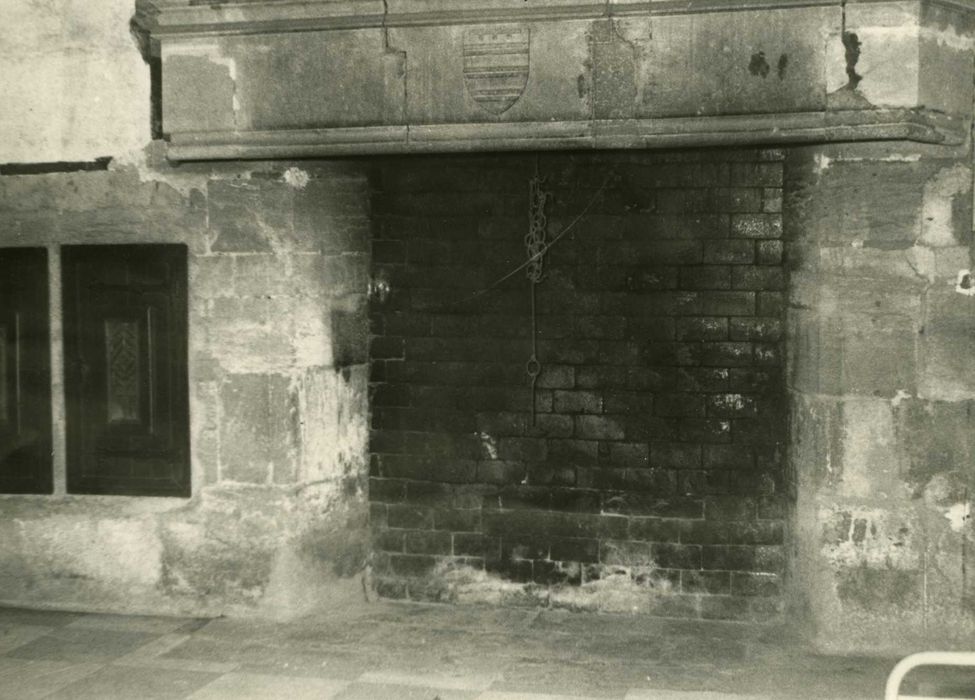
421 652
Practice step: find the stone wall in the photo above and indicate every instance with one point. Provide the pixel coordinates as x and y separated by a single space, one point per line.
76 87
650 480
882 385
278 265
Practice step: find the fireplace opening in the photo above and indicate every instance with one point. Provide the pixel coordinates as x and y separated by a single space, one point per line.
576 381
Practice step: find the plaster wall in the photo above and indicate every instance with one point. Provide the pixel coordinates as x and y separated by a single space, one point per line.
75 86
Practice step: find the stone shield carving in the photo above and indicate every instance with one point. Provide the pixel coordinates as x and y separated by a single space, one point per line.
496 65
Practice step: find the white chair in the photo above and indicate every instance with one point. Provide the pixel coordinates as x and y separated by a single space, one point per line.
925 658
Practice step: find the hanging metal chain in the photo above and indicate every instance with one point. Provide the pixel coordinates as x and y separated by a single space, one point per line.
537 228
535 246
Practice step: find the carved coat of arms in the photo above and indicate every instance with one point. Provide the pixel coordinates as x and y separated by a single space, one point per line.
496 63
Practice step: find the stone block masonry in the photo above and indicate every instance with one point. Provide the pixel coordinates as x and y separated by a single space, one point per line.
278 267
882 395
651 477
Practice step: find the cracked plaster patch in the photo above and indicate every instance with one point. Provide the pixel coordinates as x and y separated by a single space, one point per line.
296 178
959 515
938 210
963 284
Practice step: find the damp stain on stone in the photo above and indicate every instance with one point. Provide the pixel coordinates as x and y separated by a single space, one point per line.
758 66
350 335
614 72
851 42
878 588
783 65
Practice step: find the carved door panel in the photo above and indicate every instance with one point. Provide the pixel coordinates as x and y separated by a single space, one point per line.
25 372
125 316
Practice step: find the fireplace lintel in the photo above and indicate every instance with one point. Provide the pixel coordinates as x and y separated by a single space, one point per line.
373 77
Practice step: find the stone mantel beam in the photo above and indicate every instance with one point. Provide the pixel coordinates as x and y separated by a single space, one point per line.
290 78
166 17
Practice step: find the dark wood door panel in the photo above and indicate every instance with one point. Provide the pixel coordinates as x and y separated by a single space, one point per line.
125 318
25 372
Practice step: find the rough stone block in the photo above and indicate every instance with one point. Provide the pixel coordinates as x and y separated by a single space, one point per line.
386 490
766 278
769 253
759 559
389 541
409 517
727 457
679 405
575 549
199 93
598 428
729 252
642 530
737 303
673 556
702 328
705 430
727 354
869 372
766 330
428 542
577 402
761 226
948 332
707 582
844 210
633 455
733 532
258 438
705 277
675 455
211 276
731 406
248 216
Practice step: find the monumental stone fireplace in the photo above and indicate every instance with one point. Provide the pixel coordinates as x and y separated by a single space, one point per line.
641 307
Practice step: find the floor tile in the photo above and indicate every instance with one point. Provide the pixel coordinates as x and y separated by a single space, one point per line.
582 679
384 691
251 685
446 682
41 618
439 616
266 657
419 653
67 644
21 679
127 623
346 667
687 695
120 683
157 646
499 695
150 655
13 636
194 624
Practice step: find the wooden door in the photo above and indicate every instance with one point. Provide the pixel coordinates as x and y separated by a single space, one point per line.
125 321
25 372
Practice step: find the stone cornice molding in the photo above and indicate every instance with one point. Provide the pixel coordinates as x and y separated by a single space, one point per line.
503 75
180 17
678 132
257 16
